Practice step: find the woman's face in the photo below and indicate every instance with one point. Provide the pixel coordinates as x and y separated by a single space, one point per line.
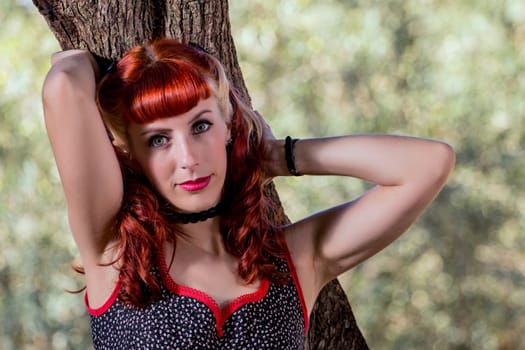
184 156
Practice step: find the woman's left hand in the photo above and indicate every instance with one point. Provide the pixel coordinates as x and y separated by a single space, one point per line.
273 150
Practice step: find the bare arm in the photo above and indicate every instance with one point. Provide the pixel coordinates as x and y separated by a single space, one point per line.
408 173
86 162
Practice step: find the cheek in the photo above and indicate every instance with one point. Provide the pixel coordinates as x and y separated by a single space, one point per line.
156 170
221 157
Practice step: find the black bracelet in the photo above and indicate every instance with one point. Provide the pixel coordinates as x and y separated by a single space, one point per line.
289 154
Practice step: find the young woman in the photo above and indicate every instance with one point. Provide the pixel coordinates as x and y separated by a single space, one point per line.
175 235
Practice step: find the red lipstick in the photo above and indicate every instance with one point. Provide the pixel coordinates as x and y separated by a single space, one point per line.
195 185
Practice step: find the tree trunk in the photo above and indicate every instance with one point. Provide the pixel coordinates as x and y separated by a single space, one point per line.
109 28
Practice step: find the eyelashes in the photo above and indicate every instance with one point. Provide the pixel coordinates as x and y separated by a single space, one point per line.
161 139
201 126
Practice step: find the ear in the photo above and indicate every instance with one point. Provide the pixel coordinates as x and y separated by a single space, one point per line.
228 133
229 130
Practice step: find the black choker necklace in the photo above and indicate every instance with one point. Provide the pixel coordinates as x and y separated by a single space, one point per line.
186 218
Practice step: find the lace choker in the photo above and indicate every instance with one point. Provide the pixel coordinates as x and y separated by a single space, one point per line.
186 218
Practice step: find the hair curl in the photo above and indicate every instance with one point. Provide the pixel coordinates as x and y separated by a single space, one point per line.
163 79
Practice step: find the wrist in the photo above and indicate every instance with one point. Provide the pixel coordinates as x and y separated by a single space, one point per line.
289 155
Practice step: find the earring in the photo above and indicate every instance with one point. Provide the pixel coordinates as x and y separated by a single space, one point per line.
127 153
229 142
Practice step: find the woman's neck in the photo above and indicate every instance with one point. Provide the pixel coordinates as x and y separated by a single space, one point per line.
203 235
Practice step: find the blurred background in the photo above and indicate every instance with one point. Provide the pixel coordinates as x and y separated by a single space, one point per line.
451 70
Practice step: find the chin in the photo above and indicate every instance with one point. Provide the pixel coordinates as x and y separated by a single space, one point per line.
202 205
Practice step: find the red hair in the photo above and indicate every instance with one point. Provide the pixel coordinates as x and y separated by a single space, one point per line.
163 79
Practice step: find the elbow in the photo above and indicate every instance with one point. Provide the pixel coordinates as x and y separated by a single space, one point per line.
442 161
55 86
62 91
68 79
447 158
57 92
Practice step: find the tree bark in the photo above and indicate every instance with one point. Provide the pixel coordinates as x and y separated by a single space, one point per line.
109 28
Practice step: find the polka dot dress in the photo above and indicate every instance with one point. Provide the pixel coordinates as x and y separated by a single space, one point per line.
273 317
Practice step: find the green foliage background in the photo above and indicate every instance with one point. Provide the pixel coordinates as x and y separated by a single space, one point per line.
443 69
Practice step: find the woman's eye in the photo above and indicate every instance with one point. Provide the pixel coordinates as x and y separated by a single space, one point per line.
201 127
158 141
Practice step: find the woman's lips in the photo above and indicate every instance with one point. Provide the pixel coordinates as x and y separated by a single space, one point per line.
195 185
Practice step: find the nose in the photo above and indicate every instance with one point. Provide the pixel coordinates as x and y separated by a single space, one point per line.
187 154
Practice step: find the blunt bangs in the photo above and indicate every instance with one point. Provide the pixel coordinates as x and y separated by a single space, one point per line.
165 89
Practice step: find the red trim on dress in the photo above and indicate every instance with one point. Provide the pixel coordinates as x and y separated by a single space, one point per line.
291 267
221 316
238 302
100 310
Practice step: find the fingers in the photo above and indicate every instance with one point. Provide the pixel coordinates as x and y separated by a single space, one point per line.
267 131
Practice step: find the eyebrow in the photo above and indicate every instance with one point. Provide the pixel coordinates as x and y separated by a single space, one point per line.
191 121
198 115
153 130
